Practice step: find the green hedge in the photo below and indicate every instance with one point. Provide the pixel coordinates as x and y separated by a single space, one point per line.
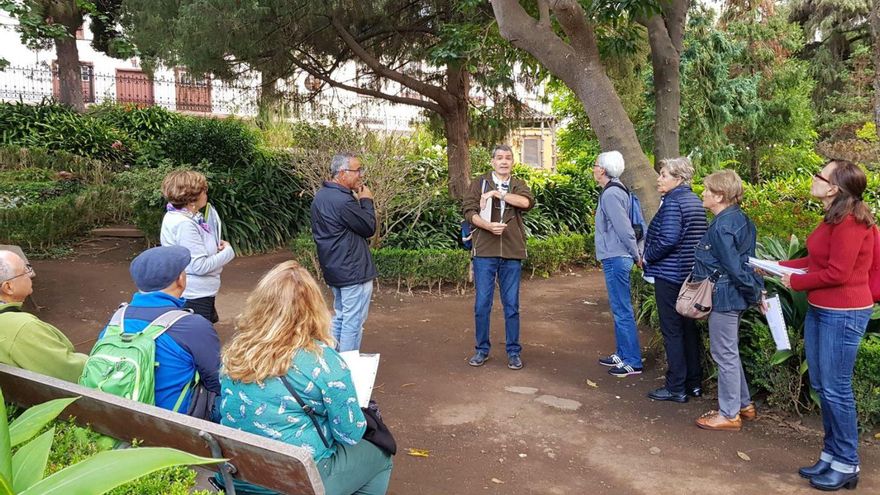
426 267
866 381
547 256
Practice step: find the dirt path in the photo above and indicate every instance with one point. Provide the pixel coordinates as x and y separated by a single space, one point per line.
541 430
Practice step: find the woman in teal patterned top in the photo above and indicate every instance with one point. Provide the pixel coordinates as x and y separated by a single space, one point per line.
284 331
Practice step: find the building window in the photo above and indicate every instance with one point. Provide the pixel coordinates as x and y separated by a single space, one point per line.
531 152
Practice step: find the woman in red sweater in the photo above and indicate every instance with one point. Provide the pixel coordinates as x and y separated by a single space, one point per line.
840 255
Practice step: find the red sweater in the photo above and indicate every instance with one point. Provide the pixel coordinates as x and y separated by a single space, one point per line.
837 265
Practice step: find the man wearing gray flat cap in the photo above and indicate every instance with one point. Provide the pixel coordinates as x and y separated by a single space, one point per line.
188 352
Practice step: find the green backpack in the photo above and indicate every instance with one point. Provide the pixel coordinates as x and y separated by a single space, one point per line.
124 364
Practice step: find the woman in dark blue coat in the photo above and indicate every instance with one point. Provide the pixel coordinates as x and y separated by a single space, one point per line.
669 257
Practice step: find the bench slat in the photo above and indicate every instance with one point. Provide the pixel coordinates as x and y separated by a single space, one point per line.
275 465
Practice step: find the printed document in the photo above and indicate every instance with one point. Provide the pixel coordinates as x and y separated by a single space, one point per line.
774 268
363 373
776 322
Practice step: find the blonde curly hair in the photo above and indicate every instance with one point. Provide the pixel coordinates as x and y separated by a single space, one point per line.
284 314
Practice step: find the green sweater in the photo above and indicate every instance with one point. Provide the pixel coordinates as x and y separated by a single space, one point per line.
27 342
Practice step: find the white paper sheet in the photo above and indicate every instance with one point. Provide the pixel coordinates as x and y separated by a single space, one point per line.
776 322
774 268
363 373
486 213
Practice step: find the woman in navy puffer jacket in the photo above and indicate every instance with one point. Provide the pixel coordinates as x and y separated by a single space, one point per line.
669 257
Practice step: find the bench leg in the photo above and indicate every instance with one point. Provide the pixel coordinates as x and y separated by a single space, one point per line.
226 469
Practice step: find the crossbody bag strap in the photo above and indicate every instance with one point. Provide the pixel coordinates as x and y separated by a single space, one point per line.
309 410
11 309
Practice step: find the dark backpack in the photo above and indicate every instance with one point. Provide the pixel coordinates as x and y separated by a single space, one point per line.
636 218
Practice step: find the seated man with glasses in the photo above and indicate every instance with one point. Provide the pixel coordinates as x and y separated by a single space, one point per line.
26 341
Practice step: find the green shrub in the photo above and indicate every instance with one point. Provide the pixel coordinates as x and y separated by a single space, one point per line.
262 206
57 127
74 444
866 381
88 170
17 193
547 256
139 123
223 143
407 267
42 225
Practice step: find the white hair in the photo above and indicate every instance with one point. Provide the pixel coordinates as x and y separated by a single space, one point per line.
7 271
611 162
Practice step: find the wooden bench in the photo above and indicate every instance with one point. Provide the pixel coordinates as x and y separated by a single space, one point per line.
275 465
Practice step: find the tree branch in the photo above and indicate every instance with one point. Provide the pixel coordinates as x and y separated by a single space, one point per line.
543 14
433 92
434 107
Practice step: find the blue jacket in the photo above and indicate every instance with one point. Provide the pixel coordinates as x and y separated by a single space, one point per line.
614 236
724 252
673 235
341 226
189 345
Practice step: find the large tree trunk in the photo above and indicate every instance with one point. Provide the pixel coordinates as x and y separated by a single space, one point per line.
69 76
457 130
875 37
665 34
577 63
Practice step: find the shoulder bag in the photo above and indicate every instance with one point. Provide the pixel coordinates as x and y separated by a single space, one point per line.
695 298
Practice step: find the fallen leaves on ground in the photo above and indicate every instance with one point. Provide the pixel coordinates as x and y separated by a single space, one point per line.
593 384
418 452
743 456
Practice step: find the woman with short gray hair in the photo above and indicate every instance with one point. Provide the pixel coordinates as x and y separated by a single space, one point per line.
669 257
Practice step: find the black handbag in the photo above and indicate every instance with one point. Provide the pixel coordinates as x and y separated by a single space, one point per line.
377 433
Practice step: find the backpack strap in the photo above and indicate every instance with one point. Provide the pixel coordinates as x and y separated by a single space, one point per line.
163 322
11 309
191 384
117 321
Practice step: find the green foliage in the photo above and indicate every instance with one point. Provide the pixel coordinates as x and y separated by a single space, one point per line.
140 123
868 132
547 256
407 267
45 224
783 206
23 470
57 127
224 143
866 381
84 169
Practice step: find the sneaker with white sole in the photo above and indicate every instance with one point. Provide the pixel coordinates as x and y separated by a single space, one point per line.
611 361
624 370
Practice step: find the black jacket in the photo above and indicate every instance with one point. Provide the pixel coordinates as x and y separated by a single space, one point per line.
341 226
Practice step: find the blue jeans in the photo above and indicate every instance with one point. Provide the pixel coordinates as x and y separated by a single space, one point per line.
507 271
351 305
617 271
831 342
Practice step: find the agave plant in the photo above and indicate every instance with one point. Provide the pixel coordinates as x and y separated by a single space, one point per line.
22 472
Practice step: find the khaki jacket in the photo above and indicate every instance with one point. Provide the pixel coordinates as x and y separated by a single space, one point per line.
512 243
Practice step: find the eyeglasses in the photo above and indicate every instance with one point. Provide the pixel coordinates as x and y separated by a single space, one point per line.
818 175
359 171
28 270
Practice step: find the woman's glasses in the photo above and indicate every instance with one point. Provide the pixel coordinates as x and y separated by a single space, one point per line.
818 175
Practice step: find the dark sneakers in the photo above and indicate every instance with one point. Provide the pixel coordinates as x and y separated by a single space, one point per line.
694 391
611 361
479 359
664 394
514 362
624 370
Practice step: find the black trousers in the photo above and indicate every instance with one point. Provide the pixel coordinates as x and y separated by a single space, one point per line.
681 338
203 306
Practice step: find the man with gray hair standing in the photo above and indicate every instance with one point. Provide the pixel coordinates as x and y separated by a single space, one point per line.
343 219
617 249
